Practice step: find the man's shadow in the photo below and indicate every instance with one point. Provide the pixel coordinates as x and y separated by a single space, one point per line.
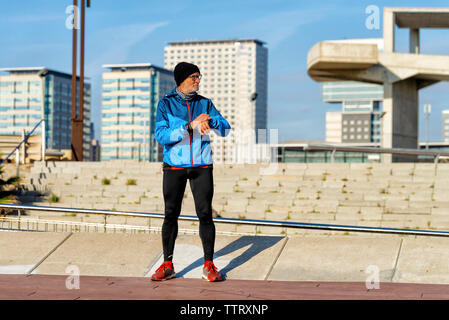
257 244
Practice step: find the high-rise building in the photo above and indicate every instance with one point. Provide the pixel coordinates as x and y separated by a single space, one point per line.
445 114
233 71
361 106
131 93
361 114
95 154
333 127
22 105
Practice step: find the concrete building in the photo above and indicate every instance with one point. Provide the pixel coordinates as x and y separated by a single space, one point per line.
233 70
22 105
361 106
333 127
356 127
131 93
400 74
361 111
95 154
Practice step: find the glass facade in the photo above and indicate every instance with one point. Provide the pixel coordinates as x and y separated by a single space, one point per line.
358 100
351 90
26 98
296 154
130 98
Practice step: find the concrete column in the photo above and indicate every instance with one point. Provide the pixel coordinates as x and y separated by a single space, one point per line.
388 30
414 41
400 122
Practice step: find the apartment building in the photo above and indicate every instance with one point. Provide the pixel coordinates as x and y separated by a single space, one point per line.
361 106
130 94
361 112
28 95
234 76
333 127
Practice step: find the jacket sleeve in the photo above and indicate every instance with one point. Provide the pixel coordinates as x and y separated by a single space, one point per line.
168 131
217 121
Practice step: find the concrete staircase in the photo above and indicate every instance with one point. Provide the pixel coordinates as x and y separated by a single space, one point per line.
400 195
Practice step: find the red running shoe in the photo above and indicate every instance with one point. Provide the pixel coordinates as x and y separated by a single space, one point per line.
210 272
164 272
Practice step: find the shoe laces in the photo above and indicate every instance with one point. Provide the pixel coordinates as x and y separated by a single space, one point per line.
165 265
210 266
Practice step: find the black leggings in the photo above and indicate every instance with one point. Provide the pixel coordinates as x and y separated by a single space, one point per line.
202 186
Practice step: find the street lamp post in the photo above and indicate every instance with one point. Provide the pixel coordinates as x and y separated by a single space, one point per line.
254 149
427 110
381 120
42 75
252 100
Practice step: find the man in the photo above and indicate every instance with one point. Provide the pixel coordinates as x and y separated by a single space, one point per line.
183 121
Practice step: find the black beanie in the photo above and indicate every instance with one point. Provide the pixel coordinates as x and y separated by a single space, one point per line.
183 70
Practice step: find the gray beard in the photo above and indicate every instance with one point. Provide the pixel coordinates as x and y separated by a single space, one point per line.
184 96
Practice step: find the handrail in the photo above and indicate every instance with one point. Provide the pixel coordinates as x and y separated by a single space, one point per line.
24 139
267 223
334 148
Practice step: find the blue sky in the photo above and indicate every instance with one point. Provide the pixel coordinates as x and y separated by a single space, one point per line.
34 33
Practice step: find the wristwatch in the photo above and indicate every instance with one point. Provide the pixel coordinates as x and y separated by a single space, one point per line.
189 128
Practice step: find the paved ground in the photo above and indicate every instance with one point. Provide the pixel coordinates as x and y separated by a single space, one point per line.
53 287
38 265
382 258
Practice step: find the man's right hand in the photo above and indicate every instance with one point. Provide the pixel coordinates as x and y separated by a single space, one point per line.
202 122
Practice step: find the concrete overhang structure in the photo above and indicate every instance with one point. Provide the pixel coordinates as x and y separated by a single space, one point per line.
401 74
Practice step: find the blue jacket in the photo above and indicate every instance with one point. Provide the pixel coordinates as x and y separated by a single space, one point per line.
180 148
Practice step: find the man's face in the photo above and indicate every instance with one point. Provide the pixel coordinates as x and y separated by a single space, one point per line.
191 83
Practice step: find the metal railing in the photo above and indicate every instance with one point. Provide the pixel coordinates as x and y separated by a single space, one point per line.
23 141
334 149
265 223
43 152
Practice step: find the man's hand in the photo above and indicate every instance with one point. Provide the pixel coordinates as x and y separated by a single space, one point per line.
204 127
202 123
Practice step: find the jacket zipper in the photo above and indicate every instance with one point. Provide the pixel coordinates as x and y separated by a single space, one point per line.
191 137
